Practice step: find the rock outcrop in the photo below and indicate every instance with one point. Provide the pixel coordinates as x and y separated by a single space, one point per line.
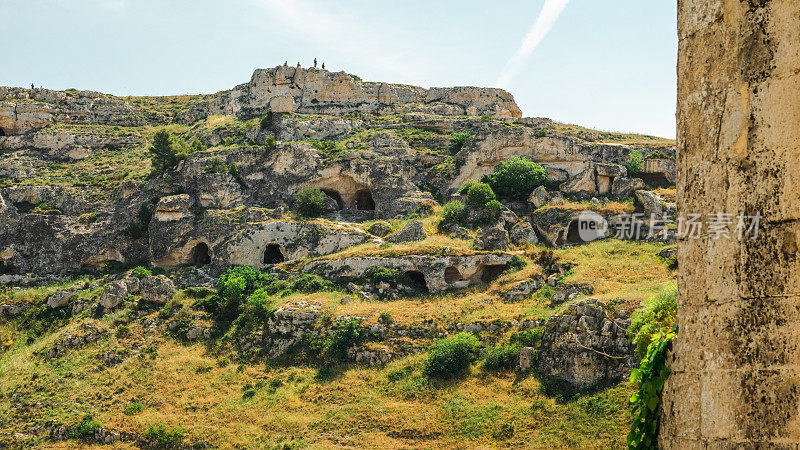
316 91
586 346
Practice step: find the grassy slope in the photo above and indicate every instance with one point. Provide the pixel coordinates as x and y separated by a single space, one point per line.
186 386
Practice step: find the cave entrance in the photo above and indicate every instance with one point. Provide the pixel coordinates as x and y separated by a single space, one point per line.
573 233
492 272
2 132
363 200
335 196
200 255
656 180
416 280
452 275
273 254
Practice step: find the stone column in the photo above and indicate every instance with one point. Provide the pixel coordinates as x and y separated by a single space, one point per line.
735 378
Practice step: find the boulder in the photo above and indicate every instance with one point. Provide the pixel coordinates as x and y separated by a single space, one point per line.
380 229
521 290
650 202
492 238
523 233
582 184
156 289
113 294
60 298
575 344
539 197
624 187
413 231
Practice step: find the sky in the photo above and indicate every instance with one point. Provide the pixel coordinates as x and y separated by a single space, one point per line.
605 64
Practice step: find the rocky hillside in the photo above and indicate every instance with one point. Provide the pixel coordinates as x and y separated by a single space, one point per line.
159 306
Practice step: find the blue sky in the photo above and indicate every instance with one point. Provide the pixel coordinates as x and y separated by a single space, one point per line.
605 64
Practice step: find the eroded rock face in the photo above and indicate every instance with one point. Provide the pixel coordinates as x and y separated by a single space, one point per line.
24 110
586 346
436 273
734 365
317 91
156 289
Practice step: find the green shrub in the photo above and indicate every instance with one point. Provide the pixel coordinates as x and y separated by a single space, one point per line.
270 143
310 202
164 436
467 184
450 357
381 274
279 286
479 194
309 283
501 358
516 178
527 338
233 287
635 162
458 140
85 429
517 262
492 211
385 317
196 146
346 335
656 316
141 272
134 408
256 313
454 212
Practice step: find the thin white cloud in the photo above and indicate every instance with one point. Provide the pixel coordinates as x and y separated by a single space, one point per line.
547 17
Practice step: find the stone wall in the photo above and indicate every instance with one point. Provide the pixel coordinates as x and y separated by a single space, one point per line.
735 380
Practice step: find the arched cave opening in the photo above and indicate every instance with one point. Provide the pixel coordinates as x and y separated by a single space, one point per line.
335 196
452 275
656 180
200 255
573 233
2 132
273 254
415 279
364 201
492 271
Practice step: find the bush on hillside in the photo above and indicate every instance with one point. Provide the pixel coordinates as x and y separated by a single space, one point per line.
635 163
492 211
310 202
256 313
347 335
479 194
501 358
458 140
309 283
233 288
450 357
516 177
453 212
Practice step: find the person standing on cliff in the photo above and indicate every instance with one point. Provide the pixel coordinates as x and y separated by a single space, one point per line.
298 64
286 64
323 66
315 63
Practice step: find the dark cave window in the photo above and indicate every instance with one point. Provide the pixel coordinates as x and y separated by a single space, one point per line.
451 275
200 255
273 254
492 272
416 280
364 200
335 196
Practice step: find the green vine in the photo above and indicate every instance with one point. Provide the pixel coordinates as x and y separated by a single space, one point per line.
651 375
